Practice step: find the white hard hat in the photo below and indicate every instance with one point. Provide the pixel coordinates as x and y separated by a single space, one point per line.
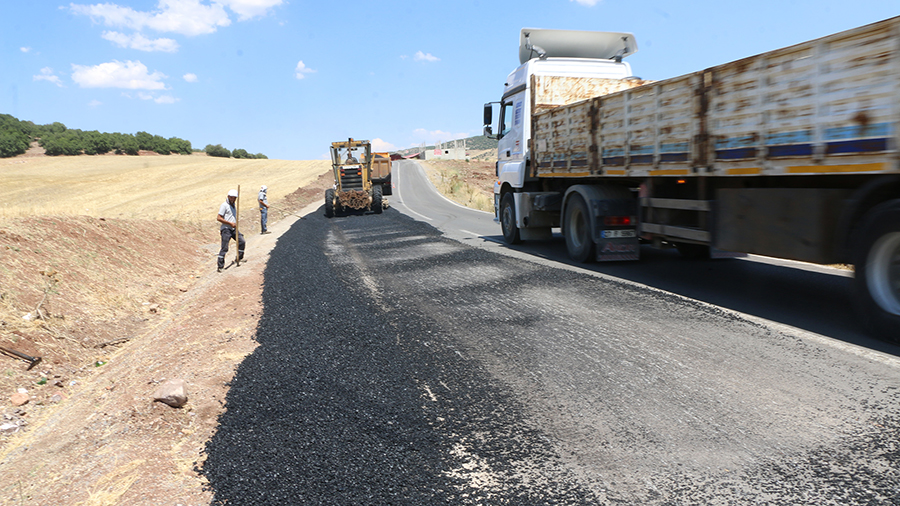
263 188
232 193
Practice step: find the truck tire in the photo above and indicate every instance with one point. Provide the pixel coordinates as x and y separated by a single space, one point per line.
329 203
577 229
877 261
377 204
508 220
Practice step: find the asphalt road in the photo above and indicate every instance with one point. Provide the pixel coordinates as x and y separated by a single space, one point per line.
400 363
811 300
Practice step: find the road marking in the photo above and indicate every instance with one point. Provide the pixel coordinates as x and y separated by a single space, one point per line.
469 232
439 194
417 214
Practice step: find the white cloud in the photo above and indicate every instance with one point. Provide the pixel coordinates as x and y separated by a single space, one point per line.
141 43
187 17
47 75
165 99
25 49
95 103
162 99
381 145
189 77
115 74
247 9
420 56
301 70
589 3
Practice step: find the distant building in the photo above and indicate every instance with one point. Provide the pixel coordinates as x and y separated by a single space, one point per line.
457 151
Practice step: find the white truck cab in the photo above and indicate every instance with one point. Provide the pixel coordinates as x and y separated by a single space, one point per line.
567 61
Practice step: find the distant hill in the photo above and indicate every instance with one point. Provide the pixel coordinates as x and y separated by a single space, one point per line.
477 143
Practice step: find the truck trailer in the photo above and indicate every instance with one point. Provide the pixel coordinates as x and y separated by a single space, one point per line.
792 154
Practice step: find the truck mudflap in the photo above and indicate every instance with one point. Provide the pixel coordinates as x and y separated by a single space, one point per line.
615 229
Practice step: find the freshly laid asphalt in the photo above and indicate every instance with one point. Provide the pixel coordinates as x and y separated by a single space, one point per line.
330 408
396 366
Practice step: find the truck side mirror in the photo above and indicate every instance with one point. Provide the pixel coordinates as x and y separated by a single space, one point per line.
488 131
488 115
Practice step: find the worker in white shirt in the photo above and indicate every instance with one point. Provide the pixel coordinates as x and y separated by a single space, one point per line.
228 218
263 208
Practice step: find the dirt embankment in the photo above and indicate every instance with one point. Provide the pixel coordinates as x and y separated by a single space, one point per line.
114 307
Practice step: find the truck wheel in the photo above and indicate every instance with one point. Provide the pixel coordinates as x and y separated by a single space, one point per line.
377 198
508 220
579 240
329 203
877 262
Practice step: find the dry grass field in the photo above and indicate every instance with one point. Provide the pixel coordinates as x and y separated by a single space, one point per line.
187 189
470 183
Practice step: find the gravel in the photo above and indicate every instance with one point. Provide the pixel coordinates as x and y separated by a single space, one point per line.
351 400
396 366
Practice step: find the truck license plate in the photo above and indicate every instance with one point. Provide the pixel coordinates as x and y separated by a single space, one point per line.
613 234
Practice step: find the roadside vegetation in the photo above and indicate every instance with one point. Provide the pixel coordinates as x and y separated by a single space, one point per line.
466 182
17 136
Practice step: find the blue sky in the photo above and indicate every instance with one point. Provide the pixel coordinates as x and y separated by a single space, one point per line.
288 77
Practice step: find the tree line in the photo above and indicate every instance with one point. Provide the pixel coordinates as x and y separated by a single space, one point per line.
16 137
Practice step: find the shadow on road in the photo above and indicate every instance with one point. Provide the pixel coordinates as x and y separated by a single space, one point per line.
818 302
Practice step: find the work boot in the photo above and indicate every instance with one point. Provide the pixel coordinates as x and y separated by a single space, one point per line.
219 269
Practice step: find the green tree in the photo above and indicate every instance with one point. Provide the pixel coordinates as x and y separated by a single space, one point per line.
217 150
180 146
61 144
125 144
145 141
96 143
12 143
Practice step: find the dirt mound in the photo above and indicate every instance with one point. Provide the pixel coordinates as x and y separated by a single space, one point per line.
115 307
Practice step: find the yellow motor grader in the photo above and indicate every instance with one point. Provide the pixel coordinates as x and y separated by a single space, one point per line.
353 189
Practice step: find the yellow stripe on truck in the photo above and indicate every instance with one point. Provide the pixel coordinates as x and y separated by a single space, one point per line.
670 172
824 169
744 171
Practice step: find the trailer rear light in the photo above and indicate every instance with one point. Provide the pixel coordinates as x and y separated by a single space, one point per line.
618 221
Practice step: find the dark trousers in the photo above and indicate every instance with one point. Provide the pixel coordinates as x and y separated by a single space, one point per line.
227 236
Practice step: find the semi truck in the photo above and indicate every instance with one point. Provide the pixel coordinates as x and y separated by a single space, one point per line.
793 153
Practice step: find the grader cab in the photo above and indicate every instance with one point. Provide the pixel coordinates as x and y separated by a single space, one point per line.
353 187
